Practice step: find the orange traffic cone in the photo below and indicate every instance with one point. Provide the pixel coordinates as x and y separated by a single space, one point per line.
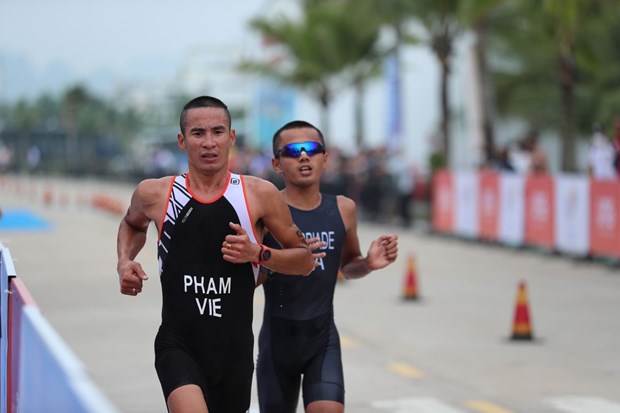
47 196
522 327
411 285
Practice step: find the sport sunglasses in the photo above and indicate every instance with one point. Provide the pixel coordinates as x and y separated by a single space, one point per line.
294 150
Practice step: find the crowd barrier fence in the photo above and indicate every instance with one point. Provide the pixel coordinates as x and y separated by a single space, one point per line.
38 371
565 213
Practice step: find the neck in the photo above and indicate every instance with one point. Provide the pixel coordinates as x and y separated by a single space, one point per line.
302 198
207 186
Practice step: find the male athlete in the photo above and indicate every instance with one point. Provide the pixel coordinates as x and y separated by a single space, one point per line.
210 224
298 337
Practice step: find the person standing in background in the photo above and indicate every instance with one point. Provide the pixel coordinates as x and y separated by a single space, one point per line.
601 155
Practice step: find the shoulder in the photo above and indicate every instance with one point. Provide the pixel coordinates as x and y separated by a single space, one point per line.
346 206
259 186
151 190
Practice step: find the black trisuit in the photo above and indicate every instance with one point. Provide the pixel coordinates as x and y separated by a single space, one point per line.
205 337
298 336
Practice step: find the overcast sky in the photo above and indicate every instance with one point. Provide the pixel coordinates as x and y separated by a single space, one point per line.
46 45
123 37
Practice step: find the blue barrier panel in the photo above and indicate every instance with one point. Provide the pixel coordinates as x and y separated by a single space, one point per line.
51 377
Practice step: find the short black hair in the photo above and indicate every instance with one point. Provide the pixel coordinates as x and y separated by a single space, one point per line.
203 102
295 124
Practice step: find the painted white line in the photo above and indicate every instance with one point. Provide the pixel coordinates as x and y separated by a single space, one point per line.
574 404
415 405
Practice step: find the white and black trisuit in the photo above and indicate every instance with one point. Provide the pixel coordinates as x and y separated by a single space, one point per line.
205 337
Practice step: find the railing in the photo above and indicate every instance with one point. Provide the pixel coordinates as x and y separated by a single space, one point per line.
38 371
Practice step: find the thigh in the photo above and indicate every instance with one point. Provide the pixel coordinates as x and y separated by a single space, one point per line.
278 389
176 367
187 399
323 377
233 393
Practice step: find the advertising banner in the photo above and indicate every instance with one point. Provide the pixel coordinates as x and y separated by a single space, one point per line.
539 211
466 190
572 208
443 201
605 218
511 209
489 204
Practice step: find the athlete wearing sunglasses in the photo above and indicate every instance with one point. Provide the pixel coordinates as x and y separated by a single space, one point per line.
294 150
298 345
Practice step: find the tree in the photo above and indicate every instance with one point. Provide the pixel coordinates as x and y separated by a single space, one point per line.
72 101
441 25
308 59
24 117
333 46
479 16
552 56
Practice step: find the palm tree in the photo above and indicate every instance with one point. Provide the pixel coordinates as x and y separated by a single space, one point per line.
551 73
333 46
310 59
441 23
396 15
357 38
23 117
73 100
479 16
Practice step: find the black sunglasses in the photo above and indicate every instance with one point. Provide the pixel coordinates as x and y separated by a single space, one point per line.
294 150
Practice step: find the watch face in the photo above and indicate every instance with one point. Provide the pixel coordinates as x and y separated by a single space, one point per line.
266 255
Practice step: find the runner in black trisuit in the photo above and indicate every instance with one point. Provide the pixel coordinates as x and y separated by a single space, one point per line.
299 346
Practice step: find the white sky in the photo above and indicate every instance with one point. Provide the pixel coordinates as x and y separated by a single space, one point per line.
117 34
127 39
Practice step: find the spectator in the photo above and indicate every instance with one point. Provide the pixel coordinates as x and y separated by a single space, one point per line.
601 155
538 158
616 144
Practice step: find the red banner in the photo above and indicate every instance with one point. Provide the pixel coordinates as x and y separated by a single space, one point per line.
488 205
443 201
539 211
605 218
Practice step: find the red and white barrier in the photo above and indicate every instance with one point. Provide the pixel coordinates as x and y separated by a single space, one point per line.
570 214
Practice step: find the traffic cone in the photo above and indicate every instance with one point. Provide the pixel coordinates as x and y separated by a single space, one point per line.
411 285
522 327
48 197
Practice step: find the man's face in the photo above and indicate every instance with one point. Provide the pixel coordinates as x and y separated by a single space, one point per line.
207 139
302 168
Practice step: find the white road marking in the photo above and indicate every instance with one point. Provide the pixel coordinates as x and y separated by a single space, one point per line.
416 405
575 404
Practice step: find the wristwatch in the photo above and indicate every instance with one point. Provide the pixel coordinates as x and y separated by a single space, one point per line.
264 254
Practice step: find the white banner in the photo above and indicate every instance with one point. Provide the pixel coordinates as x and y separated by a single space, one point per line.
466 190
572 206
511 208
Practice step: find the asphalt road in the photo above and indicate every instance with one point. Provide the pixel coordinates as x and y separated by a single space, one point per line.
447 352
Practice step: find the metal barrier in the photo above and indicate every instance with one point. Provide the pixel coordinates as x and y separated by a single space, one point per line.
38 371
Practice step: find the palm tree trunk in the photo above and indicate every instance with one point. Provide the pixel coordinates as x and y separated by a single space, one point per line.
486 89
567 84
324 100
445 108
360 138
